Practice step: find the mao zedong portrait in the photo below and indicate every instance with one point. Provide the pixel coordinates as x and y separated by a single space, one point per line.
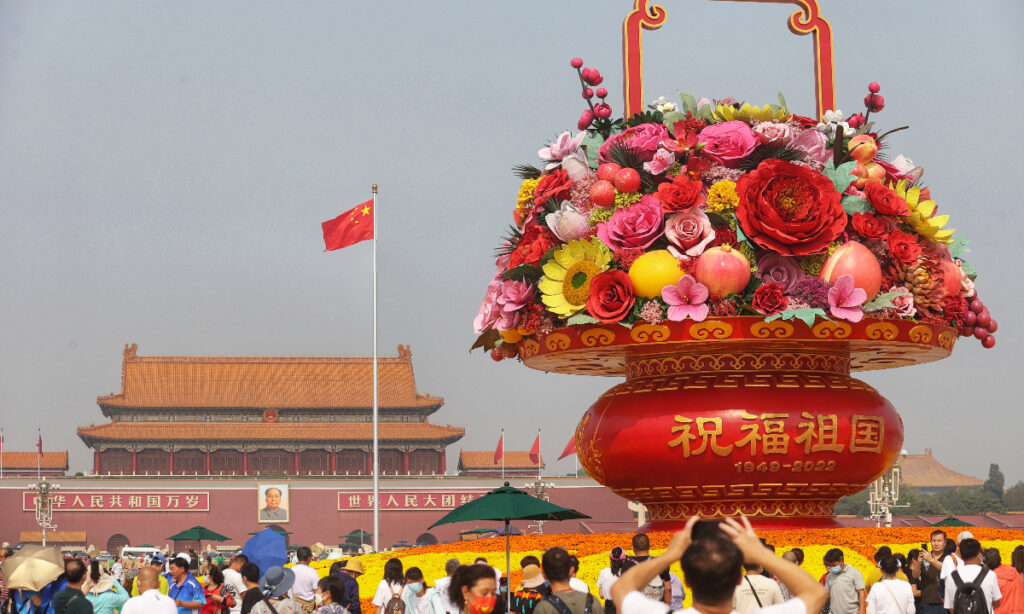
273 510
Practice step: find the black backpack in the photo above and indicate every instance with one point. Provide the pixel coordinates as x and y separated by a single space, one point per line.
564 609
969 597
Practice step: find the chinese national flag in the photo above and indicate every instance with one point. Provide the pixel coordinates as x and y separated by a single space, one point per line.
570 448
353 226
535 451
500 450
39 444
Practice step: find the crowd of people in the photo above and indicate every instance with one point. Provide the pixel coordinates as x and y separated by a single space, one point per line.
726 568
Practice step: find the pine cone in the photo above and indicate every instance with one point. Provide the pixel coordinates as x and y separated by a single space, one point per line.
924 280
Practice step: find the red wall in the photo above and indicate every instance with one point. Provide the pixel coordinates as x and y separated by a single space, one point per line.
313 505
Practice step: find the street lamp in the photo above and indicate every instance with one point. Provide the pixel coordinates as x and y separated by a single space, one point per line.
885 492
44 505
540 489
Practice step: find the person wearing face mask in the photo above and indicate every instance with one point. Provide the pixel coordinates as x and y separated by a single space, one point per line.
420 598
329 594
845 585
473 589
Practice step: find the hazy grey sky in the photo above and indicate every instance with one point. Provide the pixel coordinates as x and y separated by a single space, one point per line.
165 166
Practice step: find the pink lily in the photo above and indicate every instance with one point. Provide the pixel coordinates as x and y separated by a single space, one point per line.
686 299
845 300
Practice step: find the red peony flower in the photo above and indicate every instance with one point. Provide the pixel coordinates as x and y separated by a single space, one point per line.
885 200
904 247
534 244
769 298
869 226
789 209
682 194
555 184
954 307
611 296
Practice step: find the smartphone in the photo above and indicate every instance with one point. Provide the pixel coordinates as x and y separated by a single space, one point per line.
705 528
924 547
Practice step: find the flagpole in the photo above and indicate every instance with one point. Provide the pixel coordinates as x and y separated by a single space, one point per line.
39 457
501 440
1 453
539 464
376 443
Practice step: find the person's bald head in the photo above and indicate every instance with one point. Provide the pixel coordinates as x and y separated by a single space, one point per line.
148 578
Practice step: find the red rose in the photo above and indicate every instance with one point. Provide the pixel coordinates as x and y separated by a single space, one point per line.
681 194
904 247
555 184
533 244
611 296
869 226
769 298
724 235
885 200
789 209
954 307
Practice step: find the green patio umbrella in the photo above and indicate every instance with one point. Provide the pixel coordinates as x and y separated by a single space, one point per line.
200 534
951 521
275 529
358 535
477 531
506 504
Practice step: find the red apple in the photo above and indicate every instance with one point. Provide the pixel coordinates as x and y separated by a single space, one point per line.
723 270
857 261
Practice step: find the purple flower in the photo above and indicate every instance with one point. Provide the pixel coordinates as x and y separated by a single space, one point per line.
564 145
845 300
686 299
812 292
634 227
779 269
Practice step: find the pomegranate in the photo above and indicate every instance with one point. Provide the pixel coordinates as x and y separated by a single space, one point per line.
723 270
857 261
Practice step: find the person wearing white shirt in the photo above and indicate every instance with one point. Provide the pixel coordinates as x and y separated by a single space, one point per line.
306 579
233 578
953 561
575 583
712 563
391 584
755 591
150 599
442 585
678 592
890 595
970 552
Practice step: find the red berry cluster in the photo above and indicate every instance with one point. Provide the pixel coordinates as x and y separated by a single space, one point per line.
590 78
874 102
980 324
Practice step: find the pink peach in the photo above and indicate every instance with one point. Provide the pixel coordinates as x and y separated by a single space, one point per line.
855 260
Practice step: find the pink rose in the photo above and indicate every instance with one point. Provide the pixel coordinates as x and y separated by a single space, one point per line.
814 144
773 133
689 233
728 143
643 139
633 227
510 298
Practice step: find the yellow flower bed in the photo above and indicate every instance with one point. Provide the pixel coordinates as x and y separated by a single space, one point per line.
592 550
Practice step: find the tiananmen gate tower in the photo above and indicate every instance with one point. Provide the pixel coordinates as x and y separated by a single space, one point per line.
201 415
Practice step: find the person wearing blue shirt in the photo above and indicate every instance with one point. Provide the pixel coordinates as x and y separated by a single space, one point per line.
184 589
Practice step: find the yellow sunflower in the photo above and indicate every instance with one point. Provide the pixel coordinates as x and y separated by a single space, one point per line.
566 281
922 216
749 113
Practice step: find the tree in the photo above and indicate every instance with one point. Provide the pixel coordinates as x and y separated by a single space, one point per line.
994 484
854 505
1014 497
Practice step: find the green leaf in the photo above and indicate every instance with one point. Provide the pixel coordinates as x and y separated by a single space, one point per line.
782 101
488 340
840 176
882 301
671 118
523 272
689 102
739 233
856 204
592 142
968 269
582 318
805 315
958 246
706 113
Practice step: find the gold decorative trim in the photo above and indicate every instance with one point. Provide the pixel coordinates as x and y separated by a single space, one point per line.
832 330
711 328
920 334
946 339
528 347
597 336
558 341
775 329
882 330
645 333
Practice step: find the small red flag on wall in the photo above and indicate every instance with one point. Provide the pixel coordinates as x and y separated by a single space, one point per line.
353 226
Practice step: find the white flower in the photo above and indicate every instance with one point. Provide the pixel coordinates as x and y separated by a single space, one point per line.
906 166
833 119
567 223
662 104
564 145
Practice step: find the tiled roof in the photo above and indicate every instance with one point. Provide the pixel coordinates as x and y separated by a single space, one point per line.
267 431
265 382
485 460
923 471
28 460
59 537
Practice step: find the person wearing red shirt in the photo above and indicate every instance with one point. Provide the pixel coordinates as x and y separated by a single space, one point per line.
1010 584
